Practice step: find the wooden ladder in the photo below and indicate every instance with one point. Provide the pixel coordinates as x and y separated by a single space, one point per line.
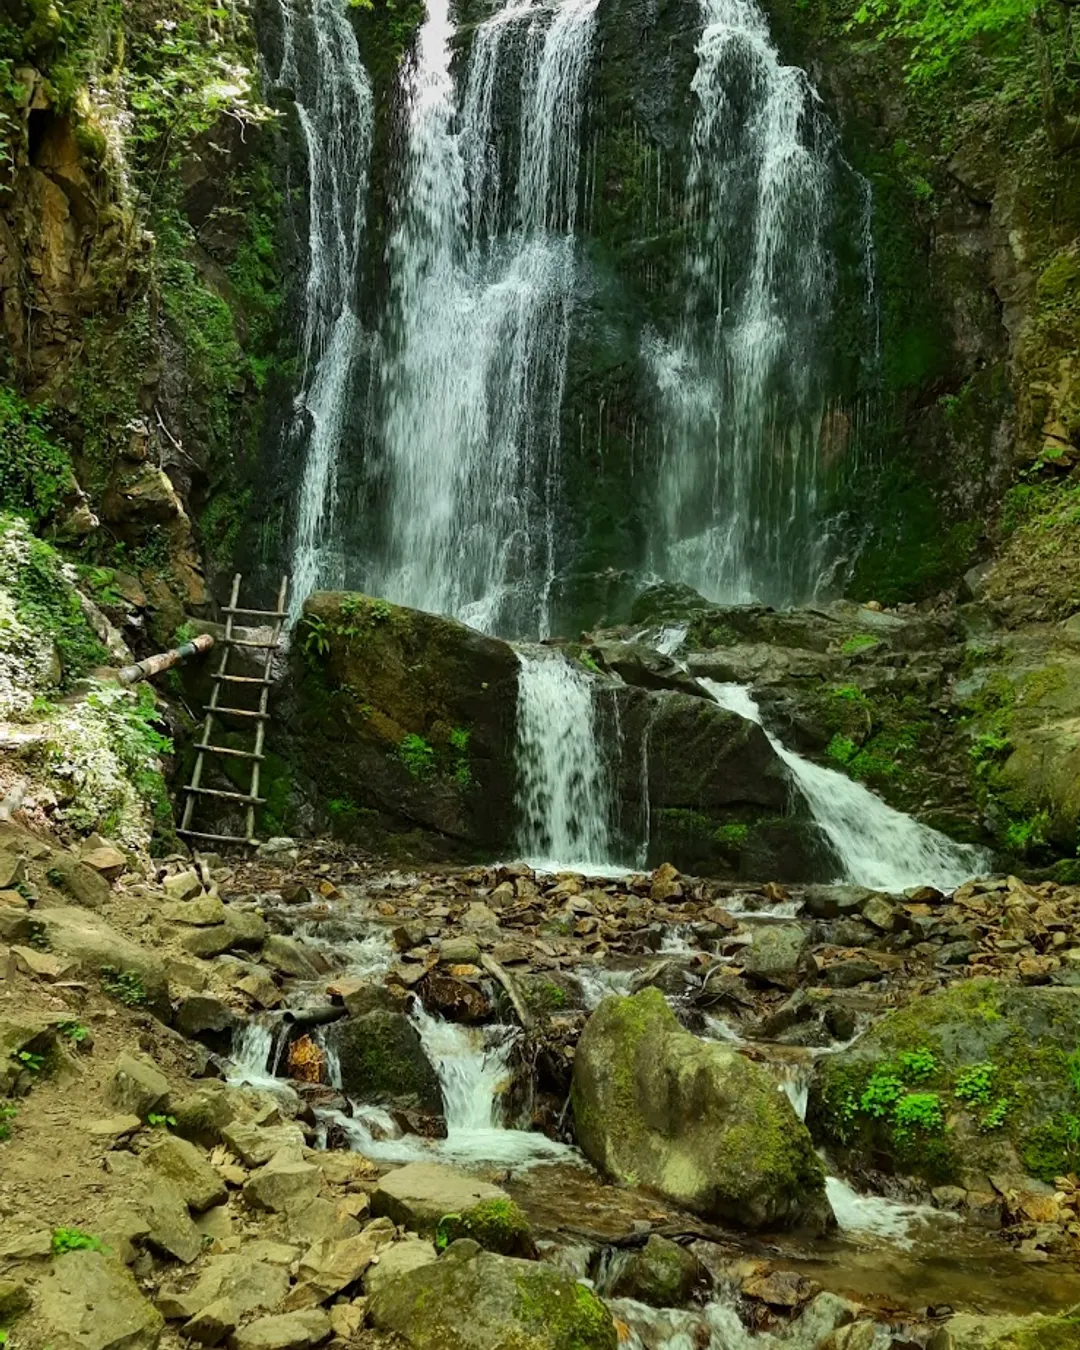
259 715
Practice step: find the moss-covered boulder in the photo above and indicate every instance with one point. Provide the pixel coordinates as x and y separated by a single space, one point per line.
476 1300
447 1203
660 1273
692 1120
971 1332
383 1061
403 721
982 1079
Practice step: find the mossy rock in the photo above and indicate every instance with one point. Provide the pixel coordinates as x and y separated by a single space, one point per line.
1037 1332
497 1225
694 1121
477 1300
1002 1063
382 1060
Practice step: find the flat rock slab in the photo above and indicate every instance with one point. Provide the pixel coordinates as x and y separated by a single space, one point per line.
185 1165
136 1086
417 1196
290 1331
88 1301
396 1261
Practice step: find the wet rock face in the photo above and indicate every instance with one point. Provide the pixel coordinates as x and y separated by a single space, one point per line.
692 1120
382 1060
975 1082
406 721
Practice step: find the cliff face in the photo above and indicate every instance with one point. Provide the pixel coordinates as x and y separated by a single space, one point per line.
139 284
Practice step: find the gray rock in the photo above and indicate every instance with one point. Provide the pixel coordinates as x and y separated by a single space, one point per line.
282 1182
691 1119
661 1273
14 1300
203 1115
182 886
88 1301
969 1331
460 951
834 902
97 947
774 954
86 887
330 1266
289 1331
205 912
393 1262
290 956
203 1017
136 1087
382 1060
184 1164
417 1196
255 1145
476 1300
241 931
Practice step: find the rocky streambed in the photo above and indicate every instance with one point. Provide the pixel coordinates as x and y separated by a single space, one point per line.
467 1106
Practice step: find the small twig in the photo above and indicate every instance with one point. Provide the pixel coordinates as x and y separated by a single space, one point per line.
497 972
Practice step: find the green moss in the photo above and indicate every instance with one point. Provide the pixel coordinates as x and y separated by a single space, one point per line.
35 469
564 1312
498 1225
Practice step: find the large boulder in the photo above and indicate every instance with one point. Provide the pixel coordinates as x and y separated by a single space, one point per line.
99 949
382 1060
430 1198
980 1080
971 1332
404 721
88 1301
476 1300
691 1119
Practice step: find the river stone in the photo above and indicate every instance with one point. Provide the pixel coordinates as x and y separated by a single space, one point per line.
151 1207
242 931
255 1145
774 954
691 1119
661 1273
1026 1034
290 956
417 1196
136 1087
968 1331
477 1300
395 1261
89 1301
289 1331
282 1182
97 947
382 1060
182 1163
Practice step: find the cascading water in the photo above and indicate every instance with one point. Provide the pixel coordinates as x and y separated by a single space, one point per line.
875 845
321 66
480 311
565 794
743 387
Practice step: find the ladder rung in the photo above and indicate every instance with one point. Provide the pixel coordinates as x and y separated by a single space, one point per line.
218 838
225 750
242 642
245 679
237 712
260 613
232 796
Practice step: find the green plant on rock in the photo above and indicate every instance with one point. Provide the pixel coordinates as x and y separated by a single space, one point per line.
75 1032
8 1112
859 642
973 1085
28 1060
160 1122
881 1094
917 1065
125 986
417 755
316 638
74 1240
996 1116
35 470
917 1113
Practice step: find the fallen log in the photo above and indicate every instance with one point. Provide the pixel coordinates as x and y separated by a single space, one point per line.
516 1001
154 665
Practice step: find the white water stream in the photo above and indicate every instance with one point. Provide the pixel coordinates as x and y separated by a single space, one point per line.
743 385
321 66
483 266
875 845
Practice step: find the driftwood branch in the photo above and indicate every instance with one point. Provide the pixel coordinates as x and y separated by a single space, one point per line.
154 665
517 1002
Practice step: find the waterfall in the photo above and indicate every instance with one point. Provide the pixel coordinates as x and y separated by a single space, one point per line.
875 845
480 308
257 1050
742 387
565 795
321 66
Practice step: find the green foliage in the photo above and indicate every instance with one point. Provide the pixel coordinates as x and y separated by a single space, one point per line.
841 749
588 662
860 642
917 1065
316 638
74 1240
8 1112
47 603
733 835
995 1117
35 471
918 1112
417 755
881 1094
74 1032
28 1060
159 1121
138 745
973 1085
125 986
938 33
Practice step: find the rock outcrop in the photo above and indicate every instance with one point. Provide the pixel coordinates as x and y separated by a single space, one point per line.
695 1121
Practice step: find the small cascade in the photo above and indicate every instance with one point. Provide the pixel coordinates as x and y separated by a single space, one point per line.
257 1051
565 795
874 1216
321 68
718 1326
875 845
